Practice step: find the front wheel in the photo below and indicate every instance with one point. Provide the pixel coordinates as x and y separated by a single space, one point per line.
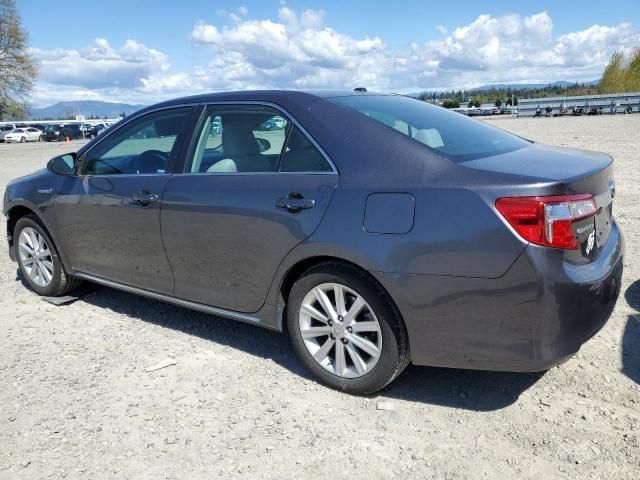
23 139
39 261
344 328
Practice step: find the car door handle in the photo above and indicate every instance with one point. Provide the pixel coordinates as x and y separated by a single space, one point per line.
295 202
145 197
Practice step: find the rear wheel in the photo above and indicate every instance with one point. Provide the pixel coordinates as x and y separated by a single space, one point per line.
345 329
38 259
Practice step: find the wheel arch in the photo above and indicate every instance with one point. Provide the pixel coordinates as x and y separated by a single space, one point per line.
298 268
17 211
14 214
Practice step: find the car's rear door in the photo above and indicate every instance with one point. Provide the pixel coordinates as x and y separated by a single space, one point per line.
32 134
108 217
253 189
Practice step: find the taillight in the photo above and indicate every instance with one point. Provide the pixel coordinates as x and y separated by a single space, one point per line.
547 221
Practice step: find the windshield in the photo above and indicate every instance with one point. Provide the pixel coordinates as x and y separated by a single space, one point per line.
450 133
18 130
52 128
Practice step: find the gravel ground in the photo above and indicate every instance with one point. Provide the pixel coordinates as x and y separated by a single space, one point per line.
77 401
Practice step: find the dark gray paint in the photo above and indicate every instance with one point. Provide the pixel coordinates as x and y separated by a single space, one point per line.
389 213
472 293
106 233
226 237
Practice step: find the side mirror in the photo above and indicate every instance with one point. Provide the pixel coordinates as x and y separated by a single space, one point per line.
63 165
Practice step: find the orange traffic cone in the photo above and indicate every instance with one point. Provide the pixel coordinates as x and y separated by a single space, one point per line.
68 142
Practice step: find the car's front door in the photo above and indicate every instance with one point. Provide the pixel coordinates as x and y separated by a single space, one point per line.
108 217
254 187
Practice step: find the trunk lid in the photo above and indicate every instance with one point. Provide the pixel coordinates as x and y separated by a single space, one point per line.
575 172
544 162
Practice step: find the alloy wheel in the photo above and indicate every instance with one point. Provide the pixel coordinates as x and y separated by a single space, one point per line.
340 330
35 256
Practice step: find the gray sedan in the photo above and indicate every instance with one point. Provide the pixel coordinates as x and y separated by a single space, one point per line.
376 230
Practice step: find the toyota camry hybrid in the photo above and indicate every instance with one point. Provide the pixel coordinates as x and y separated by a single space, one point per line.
376 230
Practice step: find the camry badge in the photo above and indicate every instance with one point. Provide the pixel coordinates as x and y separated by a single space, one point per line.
590 243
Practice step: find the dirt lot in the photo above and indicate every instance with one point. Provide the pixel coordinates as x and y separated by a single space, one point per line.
77 402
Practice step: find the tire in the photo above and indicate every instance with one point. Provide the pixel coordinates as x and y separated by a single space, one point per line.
60 282
23 139
389 338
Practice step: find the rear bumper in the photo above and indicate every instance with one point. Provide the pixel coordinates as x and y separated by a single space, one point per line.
535 316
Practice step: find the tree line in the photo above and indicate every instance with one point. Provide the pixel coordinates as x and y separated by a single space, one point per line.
18 70
506 96
622 74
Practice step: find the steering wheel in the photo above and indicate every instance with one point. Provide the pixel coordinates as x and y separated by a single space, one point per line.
151 161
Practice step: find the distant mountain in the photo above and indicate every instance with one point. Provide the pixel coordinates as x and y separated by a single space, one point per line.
62 110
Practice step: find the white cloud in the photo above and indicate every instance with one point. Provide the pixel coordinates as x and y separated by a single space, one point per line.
286 15
297 50
100 66
312 18
442 29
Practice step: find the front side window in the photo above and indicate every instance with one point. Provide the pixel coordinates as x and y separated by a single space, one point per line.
454 135
253 139
147 145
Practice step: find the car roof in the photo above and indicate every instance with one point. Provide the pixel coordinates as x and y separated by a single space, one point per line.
264 95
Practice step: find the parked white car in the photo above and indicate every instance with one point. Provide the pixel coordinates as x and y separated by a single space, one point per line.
27 134
4 129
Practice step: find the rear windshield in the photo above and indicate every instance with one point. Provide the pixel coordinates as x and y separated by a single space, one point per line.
450 133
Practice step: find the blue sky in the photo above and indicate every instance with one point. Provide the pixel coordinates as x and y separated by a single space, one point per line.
145 50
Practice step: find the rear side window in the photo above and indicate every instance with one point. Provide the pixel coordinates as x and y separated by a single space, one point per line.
243 139
300 155
449 133
253 139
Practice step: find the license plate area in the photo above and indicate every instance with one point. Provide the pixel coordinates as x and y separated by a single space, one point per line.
603 225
